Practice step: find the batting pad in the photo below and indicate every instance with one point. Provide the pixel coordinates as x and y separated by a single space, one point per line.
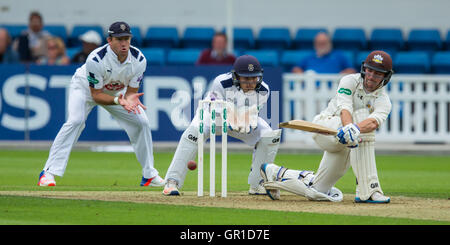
362 160
265 152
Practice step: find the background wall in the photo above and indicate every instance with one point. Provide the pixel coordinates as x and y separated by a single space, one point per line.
405 14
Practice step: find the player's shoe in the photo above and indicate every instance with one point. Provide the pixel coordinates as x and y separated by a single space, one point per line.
171 188
46 179
376 197
271 172
155 181
259 190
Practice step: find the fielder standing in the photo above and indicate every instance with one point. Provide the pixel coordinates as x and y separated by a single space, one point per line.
359 107
241 88
110 78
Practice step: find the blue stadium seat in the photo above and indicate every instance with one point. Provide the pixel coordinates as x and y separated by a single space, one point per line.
14 30
243 38
79 30
350 55
161 37
304 39
274 38
57 30
440 62
387 39
359 58
424 40
71 52
183 56
197 37
137 36
415 62
265 57
290 58
447 41
353 39
154 56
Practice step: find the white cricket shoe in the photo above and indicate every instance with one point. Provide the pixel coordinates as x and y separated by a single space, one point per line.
259 190
155 181
171 188
270 172
46 179
376 197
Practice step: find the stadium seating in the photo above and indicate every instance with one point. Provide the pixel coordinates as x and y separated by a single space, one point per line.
422 51
71 52
79 30
440 62
290 58
137 36
183 56
415 62
274 38
14 30
197 37
387 39
304 37
352 39
161 37
265 57
424 40
359 58
154 56
57 30
243 38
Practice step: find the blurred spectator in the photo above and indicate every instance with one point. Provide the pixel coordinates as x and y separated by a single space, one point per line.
7 54
217 55
56 53
31 42
91 40
325 59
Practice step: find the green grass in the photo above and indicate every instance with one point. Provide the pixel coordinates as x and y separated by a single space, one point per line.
42 211
415 176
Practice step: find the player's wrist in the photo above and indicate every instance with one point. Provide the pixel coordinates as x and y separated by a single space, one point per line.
116 100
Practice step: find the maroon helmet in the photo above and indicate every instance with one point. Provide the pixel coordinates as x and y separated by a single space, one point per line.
378 61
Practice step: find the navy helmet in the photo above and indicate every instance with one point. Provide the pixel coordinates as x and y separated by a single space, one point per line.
247 66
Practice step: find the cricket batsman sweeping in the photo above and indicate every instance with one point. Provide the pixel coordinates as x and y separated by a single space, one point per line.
245 93
359 107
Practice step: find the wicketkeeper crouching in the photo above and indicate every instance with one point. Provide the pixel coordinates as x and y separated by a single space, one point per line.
245 94
359 107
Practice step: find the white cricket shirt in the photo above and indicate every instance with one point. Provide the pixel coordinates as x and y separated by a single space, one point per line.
103 70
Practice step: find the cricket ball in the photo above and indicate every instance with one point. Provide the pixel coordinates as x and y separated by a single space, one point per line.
192 165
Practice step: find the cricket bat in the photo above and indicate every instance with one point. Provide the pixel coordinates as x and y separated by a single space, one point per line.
308 126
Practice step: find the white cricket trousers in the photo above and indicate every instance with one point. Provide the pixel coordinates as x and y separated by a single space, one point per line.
80 105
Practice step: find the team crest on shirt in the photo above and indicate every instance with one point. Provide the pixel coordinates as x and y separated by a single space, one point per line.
377 58
114 86
251 67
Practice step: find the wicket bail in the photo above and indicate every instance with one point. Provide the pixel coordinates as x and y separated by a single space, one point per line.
212 105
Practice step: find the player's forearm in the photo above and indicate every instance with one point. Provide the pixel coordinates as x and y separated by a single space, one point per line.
346 117
101 98
104 99
368 125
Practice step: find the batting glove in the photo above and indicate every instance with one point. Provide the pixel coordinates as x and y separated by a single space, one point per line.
340 136
351 132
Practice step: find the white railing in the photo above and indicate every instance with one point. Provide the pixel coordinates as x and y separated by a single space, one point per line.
420 106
